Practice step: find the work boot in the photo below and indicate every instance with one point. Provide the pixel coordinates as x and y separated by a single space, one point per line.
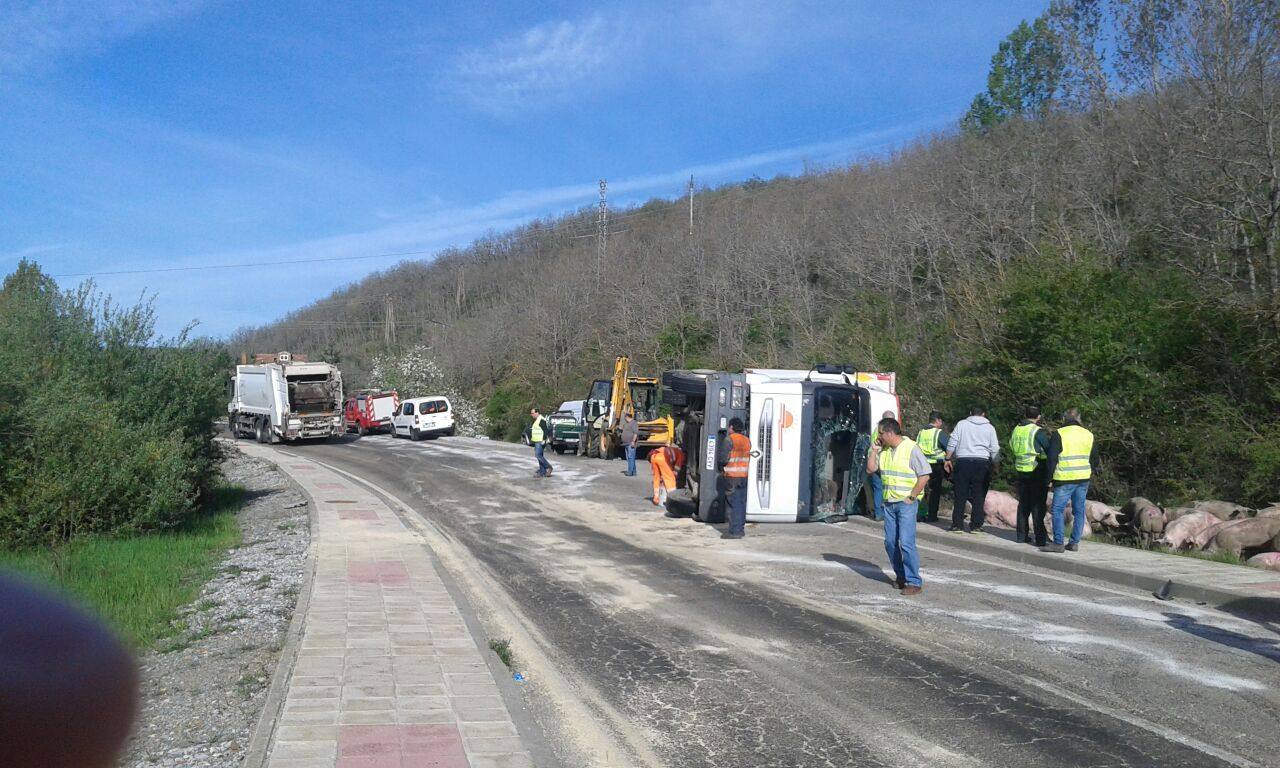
911 589
900 583
955 529
1073 547
727 535
976 529
1054 548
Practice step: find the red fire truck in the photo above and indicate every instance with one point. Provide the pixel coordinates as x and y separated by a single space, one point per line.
370 410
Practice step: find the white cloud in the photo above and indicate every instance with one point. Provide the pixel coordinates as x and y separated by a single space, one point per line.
37 32
545 63
550 63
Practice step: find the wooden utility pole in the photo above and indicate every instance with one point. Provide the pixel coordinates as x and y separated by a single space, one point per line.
389 323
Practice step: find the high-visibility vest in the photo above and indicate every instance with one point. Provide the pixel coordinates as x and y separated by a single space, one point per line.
895 469
739 456
535 432
1073 462
927 439
1023 445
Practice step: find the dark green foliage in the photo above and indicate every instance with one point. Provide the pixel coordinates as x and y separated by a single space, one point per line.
104 427
1171 377
1024 76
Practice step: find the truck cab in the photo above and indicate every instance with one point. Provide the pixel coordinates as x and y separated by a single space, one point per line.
370 410
566 426
810 432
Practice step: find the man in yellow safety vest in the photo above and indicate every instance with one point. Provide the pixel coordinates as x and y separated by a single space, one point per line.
1029 445
933 444
537 433
905 472
1070 464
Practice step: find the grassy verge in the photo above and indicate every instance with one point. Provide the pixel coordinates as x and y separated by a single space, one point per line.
1217 557
138 584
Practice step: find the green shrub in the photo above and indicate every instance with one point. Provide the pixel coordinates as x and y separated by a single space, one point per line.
105 428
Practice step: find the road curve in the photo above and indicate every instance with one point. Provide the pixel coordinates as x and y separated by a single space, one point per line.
789 649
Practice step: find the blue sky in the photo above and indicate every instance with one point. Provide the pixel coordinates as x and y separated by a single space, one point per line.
142 134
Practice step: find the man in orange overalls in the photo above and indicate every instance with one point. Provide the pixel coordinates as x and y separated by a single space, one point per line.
665 463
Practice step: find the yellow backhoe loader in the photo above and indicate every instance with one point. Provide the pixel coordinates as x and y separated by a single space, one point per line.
606 403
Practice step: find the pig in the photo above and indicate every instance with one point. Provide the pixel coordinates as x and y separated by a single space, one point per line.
1181 532
1267 560
1001 510
1173 513
1271 511
1205 538
1102 514
1223 510
1249 535
1149 522
1068 516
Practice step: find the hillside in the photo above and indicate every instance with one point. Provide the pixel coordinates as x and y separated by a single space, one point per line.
1107 241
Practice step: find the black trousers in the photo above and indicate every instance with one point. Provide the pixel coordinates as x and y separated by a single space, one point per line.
970 478
1033 492
933 492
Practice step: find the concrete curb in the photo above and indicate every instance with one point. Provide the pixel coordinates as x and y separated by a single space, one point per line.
1264 608
260 741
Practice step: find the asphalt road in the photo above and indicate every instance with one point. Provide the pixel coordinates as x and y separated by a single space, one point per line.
791 648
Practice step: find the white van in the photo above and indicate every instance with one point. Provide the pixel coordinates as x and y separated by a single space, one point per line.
419 417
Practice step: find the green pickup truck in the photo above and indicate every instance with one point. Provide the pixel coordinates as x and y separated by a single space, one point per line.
566 426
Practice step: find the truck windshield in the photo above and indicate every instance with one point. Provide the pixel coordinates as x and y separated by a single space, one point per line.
839 452
645 399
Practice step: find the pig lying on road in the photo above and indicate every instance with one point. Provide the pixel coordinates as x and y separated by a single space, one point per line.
1223 510
1183 531
1001 509
1267 560
1251 534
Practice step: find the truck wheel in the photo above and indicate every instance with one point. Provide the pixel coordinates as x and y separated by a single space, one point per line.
413 435
559 449
262 431
360 429
593 443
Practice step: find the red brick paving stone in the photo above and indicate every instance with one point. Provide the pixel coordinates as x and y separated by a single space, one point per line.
381 761
357 514
385 572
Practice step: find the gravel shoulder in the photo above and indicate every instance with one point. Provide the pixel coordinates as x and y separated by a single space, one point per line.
203 689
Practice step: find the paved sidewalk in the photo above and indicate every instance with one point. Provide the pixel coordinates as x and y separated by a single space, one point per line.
387 673
1235 588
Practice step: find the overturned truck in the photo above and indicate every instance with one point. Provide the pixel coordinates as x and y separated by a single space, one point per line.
810 432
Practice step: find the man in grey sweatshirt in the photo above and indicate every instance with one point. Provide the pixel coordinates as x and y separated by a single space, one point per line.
972 451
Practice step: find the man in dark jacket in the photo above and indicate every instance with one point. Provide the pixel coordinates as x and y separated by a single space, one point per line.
538 433
1029 445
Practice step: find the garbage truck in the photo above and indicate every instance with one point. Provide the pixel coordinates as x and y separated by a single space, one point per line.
283 397
810 432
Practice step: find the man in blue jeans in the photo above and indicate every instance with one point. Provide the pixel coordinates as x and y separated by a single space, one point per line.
1070 463
537 433
874 480
905 473
630 436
